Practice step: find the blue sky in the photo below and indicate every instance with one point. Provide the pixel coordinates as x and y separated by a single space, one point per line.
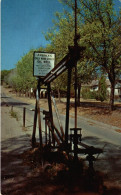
22 24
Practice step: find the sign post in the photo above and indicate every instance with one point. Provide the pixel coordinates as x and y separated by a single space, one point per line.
43 63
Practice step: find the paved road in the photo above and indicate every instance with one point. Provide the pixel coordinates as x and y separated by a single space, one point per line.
90 128
93 133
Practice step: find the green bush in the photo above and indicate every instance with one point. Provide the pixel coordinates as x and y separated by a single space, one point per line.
101 97
87 94
102 91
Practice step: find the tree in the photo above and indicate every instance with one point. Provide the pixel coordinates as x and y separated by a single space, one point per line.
21 78
102 91
24 69
100 32
4 75
86 73
61 36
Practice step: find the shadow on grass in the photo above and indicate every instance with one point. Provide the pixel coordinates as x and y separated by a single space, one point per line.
13 104
102 105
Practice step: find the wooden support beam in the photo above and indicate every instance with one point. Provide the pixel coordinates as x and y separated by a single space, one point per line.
38 113
24 114
68 105
53 134
50 109
34 126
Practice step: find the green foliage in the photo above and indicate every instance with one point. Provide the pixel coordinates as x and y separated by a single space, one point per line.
86 71
14 114
24 67
100 95
4 75
60 82
102 91
21 78
61 35
87 94
101 34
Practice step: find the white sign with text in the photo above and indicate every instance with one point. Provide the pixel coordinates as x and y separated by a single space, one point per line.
43 63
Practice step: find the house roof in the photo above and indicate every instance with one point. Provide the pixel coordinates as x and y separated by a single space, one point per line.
94 83
118 86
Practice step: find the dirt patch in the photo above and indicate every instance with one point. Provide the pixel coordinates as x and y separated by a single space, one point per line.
104 115
68 177
118 130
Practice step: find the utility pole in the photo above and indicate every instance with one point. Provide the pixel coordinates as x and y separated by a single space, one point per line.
75 45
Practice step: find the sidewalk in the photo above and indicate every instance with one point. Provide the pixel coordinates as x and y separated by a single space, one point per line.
13 142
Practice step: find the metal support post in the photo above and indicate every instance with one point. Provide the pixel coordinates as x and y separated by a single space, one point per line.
34 126
24 114
45 132
75 45
37 112
50 111
39 117
68 105
75 137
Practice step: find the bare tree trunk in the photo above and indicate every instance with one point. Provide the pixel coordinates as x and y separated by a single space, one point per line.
111 76
112 96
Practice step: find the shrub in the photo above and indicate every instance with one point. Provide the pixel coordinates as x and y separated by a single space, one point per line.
102 92
87 94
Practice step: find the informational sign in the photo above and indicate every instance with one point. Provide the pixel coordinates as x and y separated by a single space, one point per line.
43 63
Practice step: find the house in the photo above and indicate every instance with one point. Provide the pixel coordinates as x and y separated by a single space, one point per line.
118 89
94 85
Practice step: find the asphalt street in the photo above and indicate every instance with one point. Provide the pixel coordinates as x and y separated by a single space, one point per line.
90 128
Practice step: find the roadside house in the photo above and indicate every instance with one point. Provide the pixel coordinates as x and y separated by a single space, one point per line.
94 85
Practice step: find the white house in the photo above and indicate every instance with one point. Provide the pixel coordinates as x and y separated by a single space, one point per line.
94 85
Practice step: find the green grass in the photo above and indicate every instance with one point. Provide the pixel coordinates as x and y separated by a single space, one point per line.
14 115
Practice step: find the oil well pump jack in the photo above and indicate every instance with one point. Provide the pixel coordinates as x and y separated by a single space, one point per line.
61 138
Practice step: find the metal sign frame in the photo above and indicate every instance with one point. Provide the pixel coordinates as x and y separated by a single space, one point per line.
43 63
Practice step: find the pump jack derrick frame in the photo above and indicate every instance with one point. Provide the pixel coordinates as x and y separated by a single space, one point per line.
60 139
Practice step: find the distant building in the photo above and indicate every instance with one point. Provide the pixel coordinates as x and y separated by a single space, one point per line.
94 86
